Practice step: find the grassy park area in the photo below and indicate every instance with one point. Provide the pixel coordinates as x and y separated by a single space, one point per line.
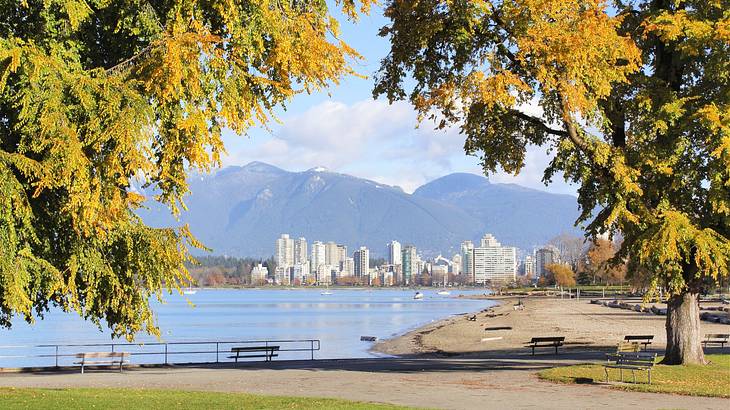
164 399
711 380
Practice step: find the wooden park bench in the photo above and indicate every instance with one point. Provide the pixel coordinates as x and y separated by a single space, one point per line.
247 352
624 347
716 339
633 361
643 339
102 358
553 341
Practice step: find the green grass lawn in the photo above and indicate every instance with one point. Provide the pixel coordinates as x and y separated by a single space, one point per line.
711 380
164 399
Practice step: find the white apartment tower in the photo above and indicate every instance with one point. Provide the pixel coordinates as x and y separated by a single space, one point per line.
494 262
529 266
284 255
394 253
318 255
259 274
348 267
488 241
456 264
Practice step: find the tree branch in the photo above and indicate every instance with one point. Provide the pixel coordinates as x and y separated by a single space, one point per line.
130 61
538 123
572 131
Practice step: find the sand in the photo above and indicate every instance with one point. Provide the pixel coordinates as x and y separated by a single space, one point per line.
585 326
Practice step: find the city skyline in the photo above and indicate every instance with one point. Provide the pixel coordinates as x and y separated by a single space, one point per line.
329 262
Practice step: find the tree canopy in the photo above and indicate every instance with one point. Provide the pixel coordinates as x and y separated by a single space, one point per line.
561 274
99 99
631 98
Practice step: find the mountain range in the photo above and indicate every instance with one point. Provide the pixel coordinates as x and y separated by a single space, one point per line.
240 211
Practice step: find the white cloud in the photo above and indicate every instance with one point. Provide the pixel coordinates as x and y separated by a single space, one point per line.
378 141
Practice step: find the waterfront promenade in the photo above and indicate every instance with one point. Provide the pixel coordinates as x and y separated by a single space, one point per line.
433 383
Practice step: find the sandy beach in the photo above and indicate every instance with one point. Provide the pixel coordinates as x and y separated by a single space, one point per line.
585 326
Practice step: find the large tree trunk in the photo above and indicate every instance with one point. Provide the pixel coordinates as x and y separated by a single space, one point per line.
683 330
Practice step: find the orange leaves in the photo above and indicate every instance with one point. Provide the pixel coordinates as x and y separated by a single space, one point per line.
573 48
498 89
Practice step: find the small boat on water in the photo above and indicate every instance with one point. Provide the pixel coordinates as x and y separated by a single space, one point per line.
444 293
418 296
190 291
326 292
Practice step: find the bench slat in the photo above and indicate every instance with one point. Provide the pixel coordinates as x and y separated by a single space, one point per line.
253 355
638 337
254 349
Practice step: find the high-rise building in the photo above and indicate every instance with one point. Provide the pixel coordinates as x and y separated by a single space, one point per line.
331 254
456 264
341 256
348 267
324 274
300 251
418 265
284 255
409 260
528 266
394 253
544 257
259 274
467 259
361 258
299 273
281 276
488 241
318 255
494 262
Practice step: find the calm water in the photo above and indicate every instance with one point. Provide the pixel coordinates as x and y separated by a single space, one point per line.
338 320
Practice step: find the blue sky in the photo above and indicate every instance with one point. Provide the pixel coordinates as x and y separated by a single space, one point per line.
345 130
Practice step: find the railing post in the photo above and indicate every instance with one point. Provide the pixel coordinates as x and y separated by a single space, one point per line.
311 348
216 352
112 347
56 355
166 354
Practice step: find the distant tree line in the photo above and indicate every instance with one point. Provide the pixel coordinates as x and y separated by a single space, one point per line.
216 271
584 262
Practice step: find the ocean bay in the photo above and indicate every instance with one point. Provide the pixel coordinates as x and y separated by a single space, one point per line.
337 320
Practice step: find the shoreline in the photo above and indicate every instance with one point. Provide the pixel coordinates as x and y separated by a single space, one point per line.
411 342
501 329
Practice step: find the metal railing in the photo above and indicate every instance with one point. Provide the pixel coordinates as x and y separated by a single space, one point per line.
166 352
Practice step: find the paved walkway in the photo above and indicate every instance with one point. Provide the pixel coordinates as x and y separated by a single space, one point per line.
504 383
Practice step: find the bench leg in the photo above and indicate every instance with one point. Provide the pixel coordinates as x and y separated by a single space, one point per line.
556 350
82 367
120 366
605 369
533 350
